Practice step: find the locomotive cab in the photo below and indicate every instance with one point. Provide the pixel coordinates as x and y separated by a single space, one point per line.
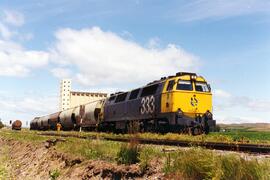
187 100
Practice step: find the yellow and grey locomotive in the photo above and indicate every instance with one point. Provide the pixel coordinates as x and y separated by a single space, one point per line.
180 103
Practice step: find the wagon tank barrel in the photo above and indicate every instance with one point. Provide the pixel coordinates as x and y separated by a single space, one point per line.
17 125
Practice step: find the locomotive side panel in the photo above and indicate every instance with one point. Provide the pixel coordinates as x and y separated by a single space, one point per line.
125 107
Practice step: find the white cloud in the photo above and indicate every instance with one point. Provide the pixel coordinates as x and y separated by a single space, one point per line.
229 108
5 33
16 61
215 9
26 108
224 100
61 73
14 18
153 43
106 58
219 93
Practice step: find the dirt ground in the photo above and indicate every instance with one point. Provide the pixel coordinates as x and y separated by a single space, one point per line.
22 160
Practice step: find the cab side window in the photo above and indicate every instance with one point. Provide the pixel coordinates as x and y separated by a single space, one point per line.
149 90
121 97
170 85
134 94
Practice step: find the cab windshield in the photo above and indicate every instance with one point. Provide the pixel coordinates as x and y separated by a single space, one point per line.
202 87
184 85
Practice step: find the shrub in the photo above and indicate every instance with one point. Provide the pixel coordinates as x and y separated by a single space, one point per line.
146 155
128 154
54 174
192 164
1 125
198 163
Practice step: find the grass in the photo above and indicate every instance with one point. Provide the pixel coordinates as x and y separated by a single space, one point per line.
198 163
247 127
229 137
3 159
23 135
54 174
90 149
194 163
128 153
252 136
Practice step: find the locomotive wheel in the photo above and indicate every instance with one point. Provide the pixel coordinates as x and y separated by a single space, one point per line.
194 131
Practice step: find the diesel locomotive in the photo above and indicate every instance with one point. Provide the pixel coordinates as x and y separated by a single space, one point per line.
179 103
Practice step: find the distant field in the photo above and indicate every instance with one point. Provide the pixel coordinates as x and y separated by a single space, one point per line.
247 127
245 136
253 132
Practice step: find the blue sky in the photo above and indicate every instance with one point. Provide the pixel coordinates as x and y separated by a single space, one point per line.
117 45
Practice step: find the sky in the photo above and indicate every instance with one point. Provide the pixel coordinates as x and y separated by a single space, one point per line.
107 46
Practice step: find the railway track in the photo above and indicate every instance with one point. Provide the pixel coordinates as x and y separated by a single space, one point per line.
240 147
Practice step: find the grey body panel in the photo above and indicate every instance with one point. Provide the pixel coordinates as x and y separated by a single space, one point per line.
132 109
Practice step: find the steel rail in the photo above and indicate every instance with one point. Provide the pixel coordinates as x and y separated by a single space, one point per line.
240 147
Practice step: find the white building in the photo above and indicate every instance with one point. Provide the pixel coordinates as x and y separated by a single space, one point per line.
65 88
70 99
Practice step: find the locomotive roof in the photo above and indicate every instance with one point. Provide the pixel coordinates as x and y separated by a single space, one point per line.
160 80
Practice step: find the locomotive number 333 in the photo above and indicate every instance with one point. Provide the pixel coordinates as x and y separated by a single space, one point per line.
148 105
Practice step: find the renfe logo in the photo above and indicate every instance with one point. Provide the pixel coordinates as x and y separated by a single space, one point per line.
193 101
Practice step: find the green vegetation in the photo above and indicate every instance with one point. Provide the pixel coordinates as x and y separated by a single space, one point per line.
234 136
54 174
264 127
199 163
245 136
192 163
3 158
128 153
23 135
90 149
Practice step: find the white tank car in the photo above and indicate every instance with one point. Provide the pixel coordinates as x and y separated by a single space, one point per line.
67 119
91 113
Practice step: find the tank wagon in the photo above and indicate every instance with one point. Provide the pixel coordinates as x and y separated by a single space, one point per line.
17 125
47 122
179 103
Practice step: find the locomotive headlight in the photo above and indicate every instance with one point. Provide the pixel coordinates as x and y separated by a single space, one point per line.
193 77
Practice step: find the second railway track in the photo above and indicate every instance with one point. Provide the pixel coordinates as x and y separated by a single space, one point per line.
239 147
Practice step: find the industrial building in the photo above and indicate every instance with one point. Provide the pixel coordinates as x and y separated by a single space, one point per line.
70 99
